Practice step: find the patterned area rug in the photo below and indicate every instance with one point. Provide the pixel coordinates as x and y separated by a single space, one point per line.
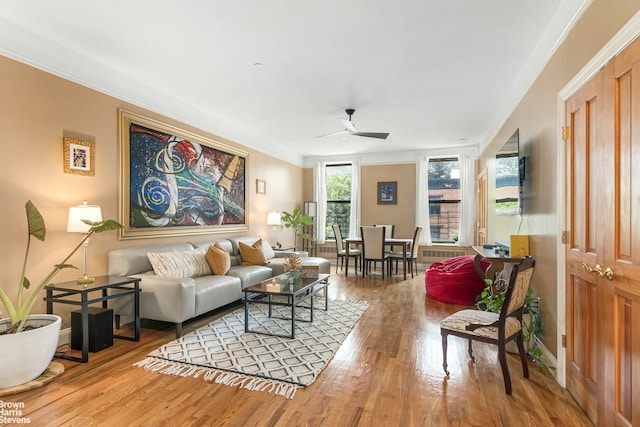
222 352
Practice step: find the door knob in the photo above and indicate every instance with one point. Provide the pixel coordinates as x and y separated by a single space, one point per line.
607 272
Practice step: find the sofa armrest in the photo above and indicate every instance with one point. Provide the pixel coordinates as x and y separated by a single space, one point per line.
168 299
285 254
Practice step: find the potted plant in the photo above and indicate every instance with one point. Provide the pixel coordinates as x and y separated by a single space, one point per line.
296 220
28 342
502 250
492 298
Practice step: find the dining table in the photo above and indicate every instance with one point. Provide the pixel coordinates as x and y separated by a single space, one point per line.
389 241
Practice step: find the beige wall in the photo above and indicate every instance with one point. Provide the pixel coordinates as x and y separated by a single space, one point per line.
402 214
36 111
536 117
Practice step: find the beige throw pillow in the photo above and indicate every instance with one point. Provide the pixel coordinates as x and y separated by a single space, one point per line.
252 255
218 259
179 264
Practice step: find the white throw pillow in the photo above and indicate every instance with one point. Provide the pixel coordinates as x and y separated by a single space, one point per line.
267 250
180 264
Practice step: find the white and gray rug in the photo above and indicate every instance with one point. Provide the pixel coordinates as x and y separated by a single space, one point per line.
222 352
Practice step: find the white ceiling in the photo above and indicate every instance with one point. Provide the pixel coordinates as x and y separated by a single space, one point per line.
433 73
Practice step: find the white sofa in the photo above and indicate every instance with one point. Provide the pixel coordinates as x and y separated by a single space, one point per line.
178 299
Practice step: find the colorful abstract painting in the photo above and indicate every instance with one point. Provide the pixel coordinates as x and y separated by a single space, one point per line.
176 182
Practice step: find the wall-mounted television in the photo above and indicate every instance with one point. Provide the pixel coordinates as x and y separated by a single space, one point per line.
508 177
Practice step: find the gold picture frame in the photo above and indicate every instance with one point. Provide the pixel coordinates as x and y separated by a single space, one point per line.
196 187
261 186
79 157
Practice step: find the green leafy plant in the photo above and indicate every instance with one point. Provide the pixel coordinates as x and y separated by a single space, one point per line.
492 299
20 309
296 220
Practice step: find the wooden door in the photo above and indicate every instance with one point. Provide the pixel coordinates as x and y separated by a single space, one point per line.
582 292
481 214
603 258
622 358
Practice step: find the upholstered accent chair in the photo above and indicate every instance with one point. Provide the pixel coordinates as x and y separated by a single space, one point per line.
341 251
411 254
373 248
495 328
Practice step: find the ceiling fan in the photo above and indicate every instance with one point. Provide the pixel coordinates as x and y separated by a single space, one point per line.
349 128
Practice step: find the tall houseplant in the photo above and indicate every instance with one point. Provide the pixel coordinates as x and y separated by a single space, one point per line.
26 352
296 220
20 309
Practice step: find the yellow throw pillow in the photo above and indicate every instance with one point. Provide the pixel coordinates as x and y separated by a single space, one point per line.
252 255
218 259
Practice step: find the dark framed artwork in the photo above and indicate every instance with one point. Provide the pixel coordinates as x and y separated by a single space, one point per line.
387 193
174 182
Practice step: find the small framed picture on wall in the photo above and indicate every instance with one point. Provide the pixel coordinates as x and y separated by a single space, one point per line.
387 193
79 157
261 186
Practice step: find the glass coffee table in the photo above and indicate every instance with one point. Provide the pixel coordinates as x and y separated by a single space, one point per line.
286 290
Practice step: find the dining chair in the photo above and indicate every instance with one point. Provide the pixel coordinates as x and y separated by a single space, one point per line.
495 328
411 253
341 252
373 247
389 229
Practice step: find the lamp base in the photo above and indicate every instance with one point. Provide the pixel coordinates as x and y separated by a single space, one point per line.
85 280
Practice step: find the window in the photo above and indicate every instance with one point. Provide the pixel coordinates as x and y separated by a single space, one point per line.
338 188
444 199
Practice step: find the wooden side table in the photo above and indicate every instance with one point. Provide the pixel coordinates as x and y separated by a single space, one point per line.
493 258
61 293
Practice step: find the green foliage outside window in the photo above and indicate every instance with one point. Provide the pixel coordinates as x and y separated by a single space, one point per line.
338 188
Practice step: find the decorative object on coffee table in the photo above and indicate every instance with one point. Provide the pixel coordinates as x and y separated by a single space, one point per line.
292 262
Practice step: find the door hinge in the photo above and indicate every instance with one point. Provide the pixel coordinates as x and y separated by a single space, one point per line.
565 237
564 341
565 132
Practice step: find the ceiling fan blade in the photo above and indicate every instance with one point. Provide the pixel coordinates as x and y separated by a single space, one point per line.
378 135
334 133
348 125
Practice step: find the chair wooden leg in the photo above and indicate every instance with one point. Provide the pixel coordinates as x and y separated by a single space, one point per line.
444 353
473 359
523 356
502 357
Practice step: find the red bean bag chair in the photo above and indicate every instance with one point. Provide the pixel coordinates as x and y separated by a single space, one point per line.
455 280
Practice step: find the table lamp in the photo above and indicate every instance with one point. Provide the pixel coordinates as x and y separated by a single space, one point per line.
75 224
273 219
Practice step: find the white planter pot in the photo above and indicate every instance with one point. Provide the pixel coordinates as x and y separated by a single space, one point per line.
26 355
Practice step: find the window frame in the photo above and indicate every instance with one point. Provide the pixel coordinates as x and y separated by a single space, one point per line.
329 230
438 204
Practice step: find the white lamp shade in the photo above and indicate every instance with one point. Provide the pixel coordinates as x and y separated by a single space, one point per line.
273 218
78 213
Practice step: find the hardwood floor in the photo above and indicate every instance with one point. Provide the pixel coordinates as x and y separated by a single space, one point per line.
388 372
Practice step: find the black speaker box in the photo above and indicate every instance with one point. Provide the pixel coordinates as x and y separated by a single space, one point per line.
100 329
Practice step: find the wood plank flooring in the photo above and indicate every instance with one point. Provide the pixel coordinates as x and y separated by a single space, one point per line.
388 372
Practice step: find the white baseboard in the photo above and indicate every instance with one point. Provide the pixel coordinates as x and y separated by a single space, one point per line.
548 358
64 337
